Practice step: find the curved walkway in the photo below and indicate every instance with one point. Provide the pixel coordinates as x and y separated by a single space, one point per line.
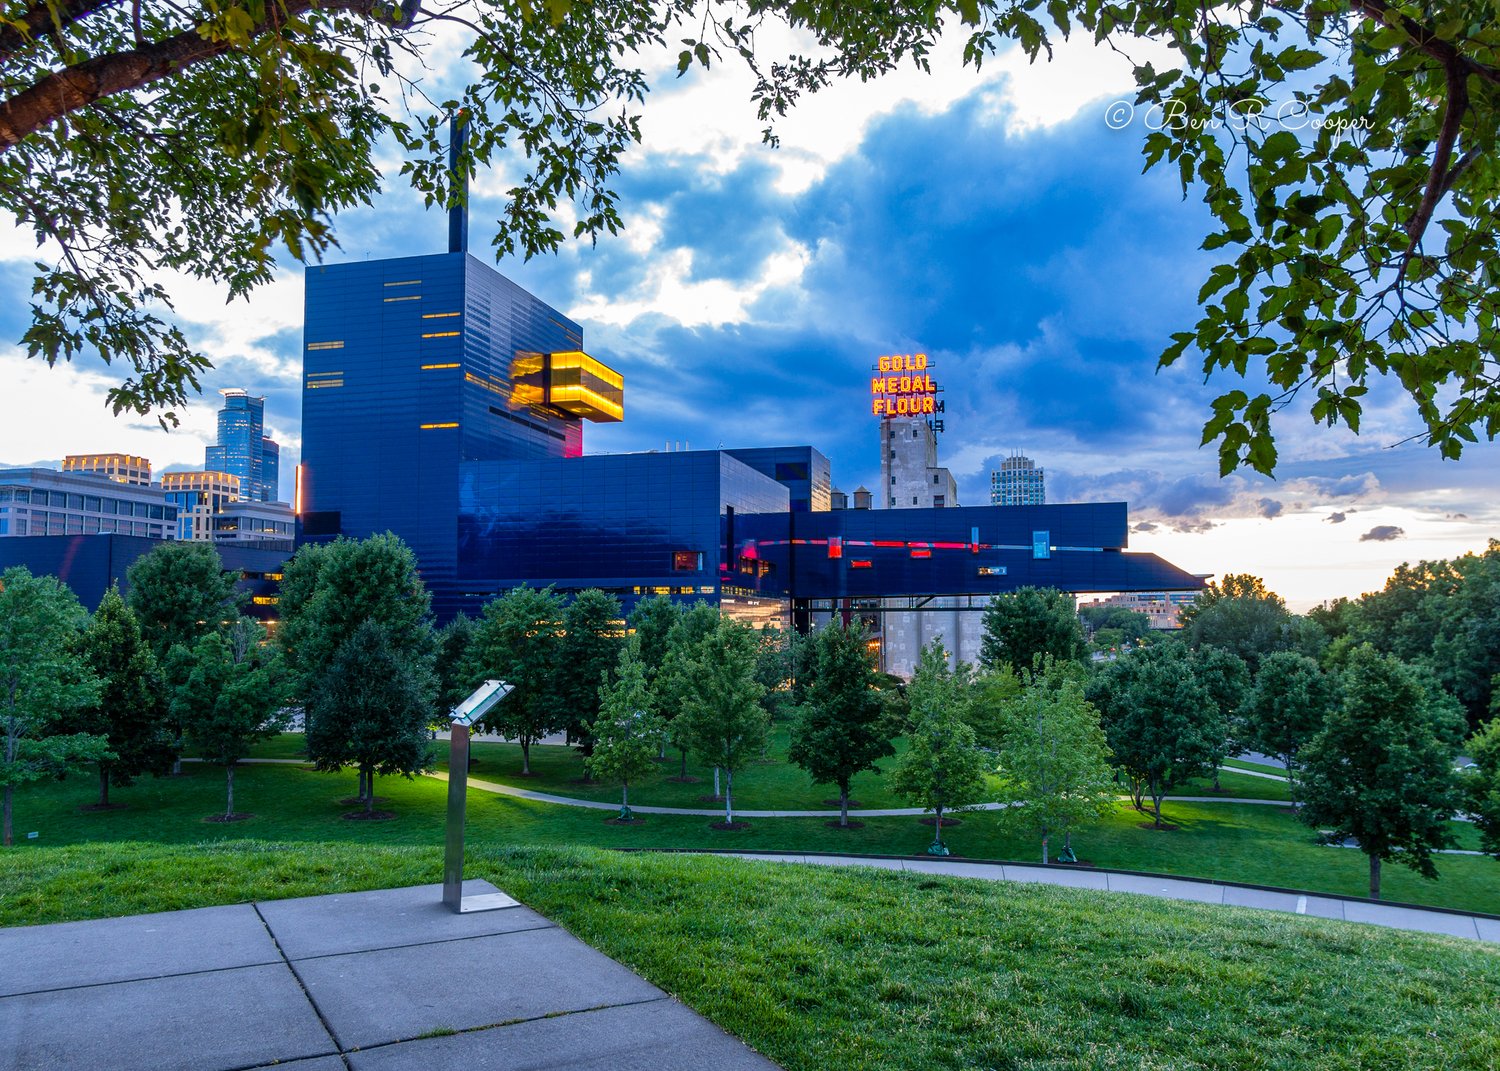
1347 908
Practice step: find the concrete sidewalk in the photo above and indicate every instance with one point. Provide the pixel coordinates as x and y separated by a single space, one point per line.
1395 916
372 981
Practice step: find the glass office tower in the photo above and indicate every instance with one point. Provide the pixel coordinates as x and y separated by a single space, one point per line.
242 447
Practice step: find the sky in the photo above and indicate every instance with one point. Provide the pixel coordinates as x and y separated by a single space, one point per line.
992 220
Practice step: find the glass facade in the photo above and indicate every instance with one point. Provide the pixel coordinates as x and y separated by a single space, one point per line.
41 502
243 449
803 470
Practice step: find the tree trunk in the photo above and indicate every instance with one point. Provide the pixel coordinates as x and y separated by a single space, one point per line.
844 805
370 798
1044 849
103 784
624 798
1217 786
1156 794
6 808
229 784
728 794
1374 877
683 774
525 756
937 826
716 782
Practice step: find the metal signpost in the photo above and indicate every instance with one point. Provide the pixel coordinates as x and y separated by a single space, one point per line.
471 710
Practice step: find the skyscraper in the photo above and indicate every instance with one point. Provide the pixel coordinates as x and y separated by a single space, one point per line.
1018 482
242 447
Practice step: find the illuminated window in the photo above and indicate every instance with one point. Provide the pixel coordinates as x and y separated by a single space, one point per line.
440 334
404 297
265 600
314 385
1041 544
406 282
434 367
325 345
687 561
429 427
439 315
992 570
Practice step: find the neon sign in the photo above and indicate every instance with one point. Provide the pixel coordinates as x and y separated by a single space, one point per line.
904 387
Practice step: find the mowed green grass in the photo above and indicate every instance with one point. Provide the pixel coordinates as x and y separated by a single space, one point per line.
1239 842
855 969
772 784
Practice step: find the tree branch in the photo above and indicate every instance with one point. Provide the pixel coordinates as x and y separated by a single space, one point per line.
42 17
1438 180
1426 39
62 92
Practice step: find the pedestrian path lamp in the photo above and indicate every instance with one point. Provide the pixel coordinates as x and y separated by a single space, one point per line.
471 710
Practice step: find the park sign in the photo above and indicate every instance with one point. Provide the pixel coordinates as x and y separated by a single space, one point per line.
904 387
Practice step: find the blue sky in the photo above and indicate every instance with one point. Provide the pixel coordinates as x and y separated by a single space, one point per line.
992 222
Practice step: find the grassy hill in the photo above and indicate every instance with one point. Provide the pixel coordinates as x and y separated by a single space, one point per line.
827 970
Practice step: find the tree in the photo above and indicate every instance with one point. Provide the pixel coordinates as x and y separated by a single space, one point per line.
372 710
841 730
943 768
455 677
1123 625
519 641
775 669
1286 707
1162 723
1227 680
123 132
589 651
1031 623
1241 617
131 711
1482 785
1053 759
627 732
673 683
651 623
43 678
230 699
1381 768
721 719
179 593
328 590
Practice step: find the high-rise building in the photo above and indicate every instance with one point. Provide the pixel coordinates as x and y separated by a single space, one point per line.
242 447
199 497
1018 482
122 468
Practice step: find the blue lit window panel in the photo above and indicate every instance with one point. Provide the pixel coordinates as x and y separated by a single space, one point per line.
1041 544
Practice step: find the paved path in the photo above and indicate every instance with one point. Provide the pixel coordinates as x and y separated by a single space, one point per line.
375 981
1473 927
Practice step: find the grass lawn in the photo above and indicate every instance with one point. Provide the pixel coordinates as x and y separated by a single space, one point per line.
1253 843
772 785
859 969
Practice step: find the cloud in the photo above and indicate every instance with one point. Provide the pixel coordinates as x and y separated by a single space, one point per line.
1270 509
1382 533
1338 517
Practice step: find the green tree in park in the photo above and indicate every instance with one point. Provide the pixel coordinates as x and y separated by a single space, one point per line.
1121 624
985 697
519 641
328 590
590 651
1243 618
455 677
1482 785
1161 721
651 623
1286 707
721 719
43 679
132 709
673 683
230 699
372 711
1027 624
841 729
627 733
1053 759
1380 769
774 668
943 768
179 593
1227 678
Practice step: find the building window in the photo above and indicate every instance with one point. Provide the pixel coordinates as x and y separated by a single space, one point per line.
939 501
934 479
1041 544
687 561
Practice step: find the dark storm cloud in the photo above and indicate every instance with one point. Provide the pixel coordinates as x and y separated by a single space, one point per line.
1339 517
1382 533
1269 508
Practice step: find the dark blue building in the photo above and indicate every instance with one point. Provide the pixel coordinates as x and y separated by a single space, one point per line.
445 404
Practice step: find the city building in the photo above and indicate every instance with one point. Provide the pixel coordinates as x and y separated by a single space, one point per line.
909 469
242 448
42 502
199 497
260 523
1164 608
1018 482
122 468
